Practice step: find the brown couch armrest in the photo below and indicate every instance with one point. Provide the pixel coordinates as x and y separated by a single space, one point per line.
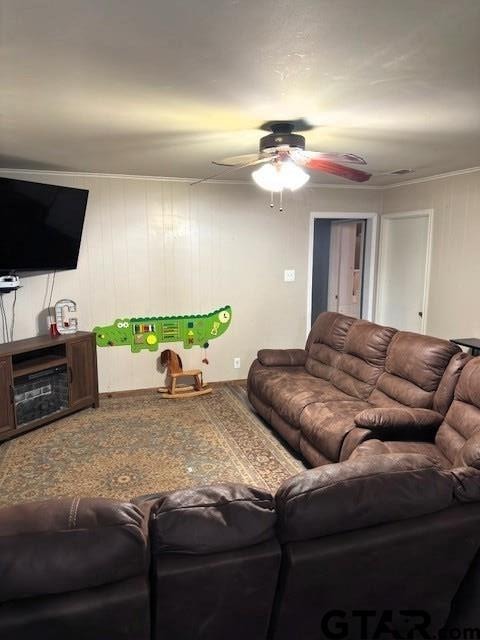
467 484
352 440
361 493
69 544
402 423
282 357
209 519
469 454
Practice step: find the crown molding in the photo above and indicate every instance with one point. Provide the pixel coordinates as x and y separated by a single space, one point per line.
123 176
312 185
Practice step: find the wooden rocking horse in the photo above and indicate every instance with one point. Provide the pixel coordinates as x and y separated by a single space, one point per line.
173 364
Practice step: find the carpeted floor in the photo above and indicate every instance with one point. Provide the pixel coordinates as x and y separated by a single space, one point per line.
136 445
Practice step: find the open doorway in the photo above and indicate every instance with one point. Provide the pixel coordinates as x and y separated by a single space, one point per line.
345 271
342 264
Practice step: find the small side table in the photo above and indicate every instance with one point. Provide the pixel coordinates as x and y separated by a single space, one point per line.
472 343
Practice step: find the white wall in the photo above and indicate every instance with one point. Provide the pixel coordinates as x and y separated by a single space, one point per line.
165 248
454 297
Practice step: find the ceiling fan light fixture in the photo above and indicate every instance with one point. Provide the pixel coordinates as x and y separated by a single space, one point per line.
276 176
293 176
268 178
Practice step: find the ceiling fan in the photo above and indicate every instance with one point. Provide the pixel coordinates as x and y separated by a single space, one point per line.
283 158
283 153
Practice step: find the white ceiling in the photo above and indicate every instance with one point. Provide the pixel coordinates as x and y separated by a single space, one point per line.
162 87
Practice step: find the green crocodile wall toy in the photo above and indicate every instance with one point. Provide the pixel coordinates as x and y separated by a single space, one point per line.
147 333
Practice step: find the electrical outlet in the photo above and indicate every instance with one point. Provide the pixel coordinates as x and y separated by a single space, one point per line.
289 275
236 363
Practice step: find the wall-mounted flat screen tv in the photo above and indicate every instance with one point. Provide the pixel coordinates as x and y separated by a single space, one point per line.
40 225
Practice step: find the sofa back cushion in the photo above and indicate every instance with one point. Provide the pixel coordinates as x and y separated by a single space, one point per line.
325 343
363 358
211 519
446 389
69 544
458 437
361 493
414 367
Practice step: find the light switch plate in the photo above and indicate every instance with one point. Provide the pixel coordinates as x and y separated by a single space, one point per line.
289 275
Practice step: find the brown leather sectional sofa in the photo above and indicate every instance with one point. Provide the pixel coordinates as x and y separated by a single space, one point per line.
387 541
356 381
341 551
74 568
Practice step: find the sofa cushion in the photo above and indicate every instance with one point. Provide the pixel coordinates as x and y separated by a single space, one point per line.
282 357
69 544
211 519
427 449
461 422
266 381
325 424
291 399
446 389
463 417
414 367
419 358
360 493
325 343
363 359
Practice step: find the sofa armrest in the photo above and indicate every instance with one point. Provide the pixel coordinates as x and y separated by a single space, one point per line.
467 484
402 423
209 519
282 357
469 454
352 440
69 544
361 493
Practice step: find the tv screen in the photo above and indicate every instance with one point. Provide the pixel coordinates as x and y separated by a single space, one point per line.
40 225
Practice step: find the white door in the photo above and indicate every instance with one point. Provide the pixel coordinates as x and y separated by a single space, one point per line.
404 270
345 272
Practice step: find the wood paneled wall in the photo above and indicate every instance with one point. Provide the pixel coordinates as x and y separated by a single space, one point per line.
454 296
153 247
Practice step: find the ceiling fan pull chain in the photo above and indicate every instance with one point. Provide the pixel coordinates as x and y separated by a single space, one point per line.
280 208
271 199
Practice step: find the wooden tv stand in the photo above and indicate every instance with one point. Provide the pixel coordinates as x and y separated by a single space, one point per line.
75 353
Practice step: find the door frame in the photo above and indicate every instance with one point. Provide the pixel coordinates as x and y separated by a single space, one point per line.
371 235
419 213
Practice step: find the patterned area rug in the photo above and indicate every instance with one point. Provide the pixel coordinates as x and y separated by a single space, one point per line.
136 445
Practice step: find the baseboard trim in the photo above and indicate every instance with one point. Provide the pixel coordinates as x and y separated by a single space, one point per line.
153 390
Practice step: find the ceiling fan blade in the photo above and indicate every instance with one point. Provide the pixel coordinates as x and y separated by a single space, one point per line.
394 172
348 158
336 169
240 160
233 168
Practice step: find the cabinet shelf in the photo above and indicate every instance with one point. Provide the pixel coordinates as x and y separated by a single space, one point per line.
37 364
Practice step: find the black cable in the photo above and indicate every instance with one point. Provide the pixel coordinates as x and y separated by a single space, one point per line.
47 289
3 324
12 326
51 292
4 320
